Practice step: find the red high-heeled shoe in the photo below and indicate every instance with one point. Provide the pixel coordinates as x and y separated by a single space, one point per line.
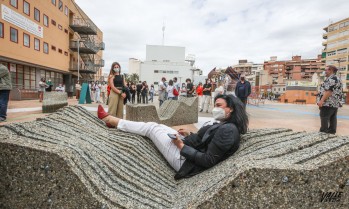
101 113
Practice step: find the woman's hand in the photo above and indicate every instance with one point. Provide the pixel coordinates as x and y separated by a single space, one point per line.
178 142
184 132
123 95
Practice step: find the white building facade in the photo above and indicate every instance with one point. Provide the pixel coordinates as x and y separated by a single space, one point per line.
162 61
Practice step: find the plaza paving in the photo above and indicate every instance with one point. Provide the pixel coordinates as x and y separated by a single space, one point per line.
269 115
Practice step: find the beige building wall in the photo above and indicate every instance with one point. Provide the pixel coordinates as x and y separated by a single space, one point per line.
57 61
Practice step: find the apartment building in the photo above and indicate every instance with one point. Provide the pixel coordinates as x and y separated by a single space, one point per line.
336 49
53 39
295 69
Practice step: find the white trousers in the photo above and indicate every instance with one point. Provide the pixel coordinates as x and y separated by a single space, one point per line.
206 100
158 134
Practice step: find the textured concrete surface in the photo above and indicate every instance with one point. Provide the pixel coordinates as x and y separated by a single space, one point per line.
71 160
53 101
171 112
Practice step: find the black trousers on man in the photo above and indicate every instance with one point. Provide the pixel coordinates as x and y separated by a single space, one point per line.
243 100
328 116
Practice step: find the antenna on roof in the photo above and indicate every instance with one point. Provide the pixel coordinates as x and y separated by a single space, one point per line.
163 33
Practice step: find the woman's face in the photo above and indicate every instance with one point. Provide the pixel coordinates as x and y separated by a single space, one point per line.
116 69
221 103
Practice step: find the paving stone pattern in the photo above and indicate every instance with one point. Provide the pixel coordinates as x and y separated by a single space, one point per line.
171 112
53 101
71 160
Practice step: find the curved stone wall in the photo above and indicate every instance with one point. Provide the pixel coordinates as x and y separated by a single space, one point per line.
71 160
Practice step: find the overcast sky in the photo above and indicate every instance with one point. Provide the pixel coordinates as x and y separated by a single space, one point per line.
218 32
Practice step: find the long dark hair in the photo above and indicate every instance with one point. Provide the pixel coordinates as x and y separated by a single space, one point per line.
239 115
112 68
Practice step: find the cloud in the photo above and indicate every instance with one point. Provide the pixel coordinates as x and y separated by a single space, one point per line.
218 32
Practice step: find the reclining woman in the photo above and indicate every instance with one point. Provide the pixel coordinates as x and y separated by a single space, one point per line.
197 151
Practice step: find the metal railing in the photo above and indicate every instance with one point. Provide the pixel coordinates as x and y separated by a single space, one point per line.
81 22
93 47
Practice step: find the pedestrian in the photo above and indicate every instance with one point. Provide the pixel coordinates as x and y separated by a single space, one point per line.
139 87
190 87
144 92
50 84
97 87
329 99
42 88
219 89
5 88
177 85
162 90
183 90
191 153
92 91
103 91
116 98
243 89
151 93
133 92
199 93
170 87
206 101
78 90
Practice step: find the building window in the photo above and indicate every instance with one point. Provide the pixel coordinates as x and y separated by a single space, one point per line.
60 51
66 31
36 44
36 14
53 48
14 3
13 35
26 40
45 48
66 53
156 71
53 22
60 5
60 27
26 8
1 30
53 2
46 20
66 10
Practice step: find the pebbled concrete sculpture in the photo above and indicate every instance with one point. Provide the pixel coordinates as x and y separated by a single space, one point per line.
171 112
71 160
54 101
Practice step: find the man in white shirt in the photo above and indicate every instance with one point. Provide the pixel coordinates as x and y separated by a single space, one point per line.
162 90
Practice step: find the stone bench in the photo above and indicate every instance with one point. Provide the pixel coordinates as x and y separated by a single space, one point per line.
171 112
71 160
53 101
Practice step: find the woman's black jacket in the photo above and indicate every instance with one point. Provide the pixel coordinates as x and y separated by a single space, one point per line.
211 145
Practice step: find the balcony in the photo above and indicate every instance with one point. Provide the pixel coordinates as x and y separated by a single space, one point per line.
88 68
324 35
324 43
102 46
99 63
83 26
85 47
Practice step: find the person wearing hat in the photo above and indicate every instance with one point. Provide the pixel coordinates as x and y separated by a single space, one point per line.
162 90
243 89
329 99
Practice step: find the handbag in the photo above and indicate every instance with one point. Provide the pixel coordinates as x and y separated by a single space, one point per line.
175 92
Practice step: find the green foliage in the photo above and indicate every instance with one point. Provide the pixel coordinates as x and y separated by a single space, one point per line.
134 77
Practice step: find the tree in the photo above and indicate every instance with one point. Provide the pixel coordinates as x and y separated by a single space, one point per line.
134 77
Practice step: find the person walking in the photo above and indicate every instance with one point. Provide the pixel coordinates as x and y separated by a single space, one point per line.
243 89
151 93
162 90
5 88
42 88
329 99
116 98
206 101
